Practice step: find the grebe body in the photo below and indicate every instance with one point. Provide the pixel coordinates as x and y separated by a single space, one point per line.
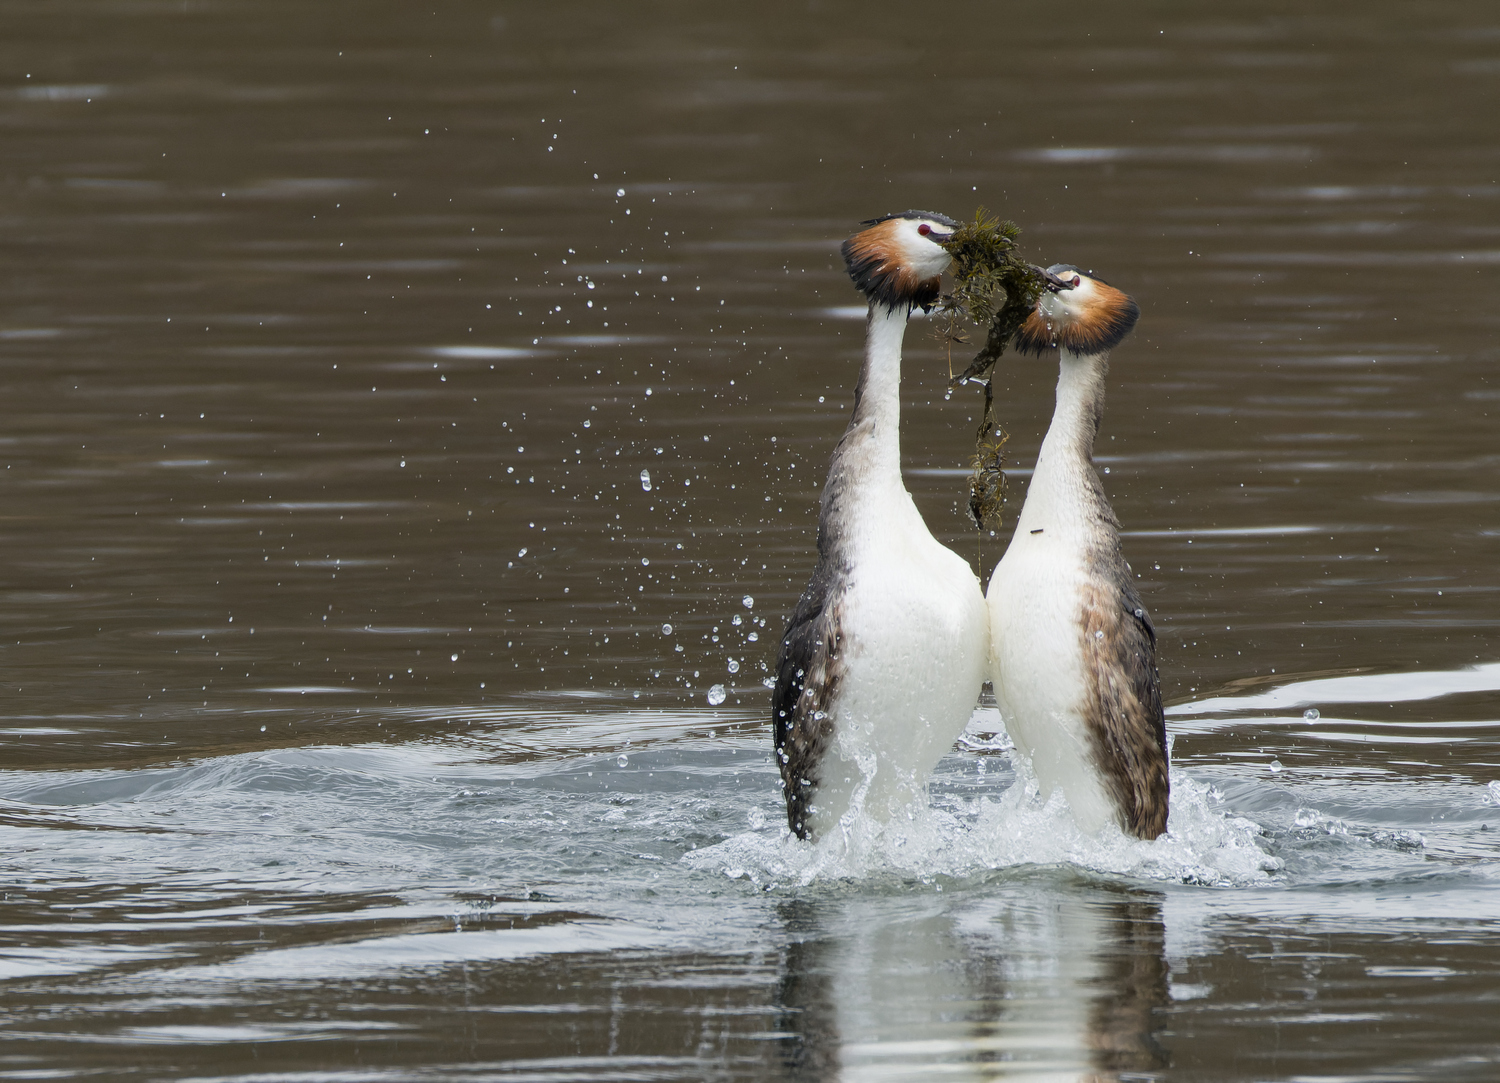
1073 651
885 654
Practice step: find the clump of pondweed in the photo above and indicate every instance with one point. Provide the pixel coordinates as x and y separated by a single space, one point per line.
995 289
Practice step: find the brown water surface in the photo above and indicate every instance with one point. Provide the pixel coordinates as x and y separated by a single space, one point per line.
338 344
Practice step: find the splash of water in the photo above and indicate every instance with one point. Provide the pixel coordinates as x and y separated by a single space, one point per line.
1204 844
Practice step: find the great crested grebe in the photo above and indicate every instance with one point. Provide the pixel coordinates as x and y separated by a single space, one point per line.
884 657
1073 653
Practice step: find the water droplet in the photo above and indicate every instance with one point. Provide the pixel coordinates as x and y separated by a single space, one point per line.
748 602
522 553
646 480
645 562
263 729
737 621
1099 634
453 658
734 666
623 759
666 629
767 682
1275 766
620 192
1311 714
717 695
753 637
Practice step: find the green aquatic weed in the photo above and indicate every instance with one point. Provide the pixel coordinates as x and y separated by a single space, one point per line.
995 289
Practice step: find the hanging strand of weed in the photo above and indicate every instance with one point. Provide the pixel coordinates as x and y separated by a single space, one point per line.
995 289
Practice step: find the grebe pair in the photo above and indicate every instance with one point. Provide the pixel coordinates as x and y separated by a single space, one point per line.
885 654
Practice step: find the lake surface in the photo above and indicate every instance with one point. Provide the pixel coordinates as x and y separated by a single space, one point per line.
357 717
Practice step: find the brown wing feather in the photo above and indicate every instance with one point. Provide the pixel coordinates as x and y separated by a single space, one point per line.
808 670
1126 720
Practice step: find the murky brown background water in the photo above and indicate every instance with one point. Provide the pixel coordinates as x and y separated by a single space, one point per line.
335 340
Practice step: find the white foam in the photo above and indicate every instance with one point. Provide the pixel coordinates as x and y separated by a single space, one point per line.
1203 844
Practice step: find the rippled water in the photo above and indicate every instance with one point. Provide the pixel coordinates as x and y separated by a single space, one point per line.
358 717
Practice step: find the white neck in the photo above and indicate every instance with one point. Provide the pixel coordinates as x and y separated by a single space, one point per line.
1064 467
1080 402
865 497
877 400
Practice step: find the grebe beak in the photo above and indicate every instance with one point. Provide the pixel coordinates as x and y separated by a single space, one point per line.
1054 284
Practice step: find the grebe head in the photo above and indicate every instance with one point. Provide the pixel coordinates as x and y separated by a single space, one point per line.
1078 312
897 260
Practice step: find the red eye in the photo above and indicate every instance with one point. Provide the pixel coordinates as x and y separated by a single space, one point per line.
924 229
1077 281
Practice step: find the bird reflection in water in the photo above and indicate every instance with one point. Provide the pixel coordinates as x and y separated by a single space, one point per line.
1030 982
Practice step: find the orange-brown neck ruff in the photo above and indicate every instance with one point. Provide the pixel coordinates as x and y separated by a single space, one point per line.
1094 326
873 259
